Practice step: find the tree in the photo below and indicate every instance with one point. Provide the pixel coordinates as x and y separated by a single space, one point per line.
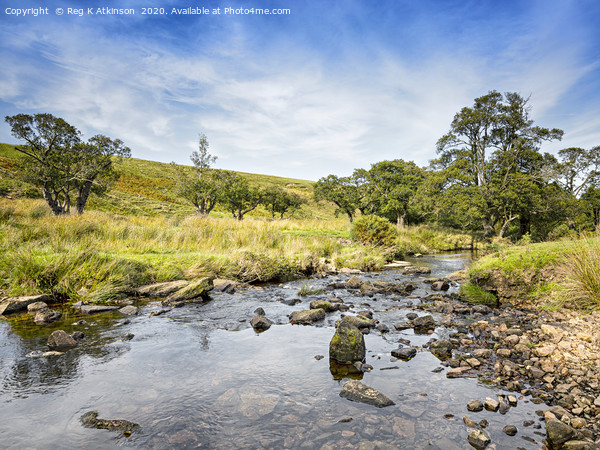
390 186
488 147
203 186
343 192
278 200
578 169
239 195
60 163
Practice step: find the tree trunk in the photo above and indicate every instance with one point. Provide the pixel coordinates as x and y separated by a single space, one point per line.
400 218
52 201
350 216
82 197
505 226
488 230
524 226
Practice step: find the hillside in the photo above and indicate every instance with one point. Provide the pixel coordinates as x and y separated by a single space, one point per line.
146 188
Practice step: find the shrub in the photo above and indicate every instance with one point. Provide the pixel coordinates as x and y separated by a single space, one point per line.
373 230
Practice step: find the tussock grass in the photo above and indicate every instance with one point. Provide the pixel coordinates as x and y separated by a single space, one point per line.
477 296
581 266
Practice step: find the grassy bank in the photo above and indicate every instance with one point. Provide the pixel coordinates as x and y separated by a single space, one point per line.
101 256
549 274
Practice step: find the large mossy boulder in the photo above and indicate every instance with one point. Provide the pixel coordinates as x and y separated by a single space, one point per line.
347 344
197 289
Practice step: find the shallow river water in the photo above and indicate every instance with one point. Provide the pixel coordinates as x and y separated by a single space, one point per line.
200 377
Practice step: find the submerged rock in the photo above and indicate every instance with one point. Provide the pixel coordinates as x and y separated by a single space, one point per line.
37 306
129 310
18 304
60 340
356 391
307 316
90 420
347 344
46 316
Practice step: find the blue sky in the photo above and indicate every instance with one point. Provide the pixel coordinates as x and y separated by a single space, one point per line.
333 86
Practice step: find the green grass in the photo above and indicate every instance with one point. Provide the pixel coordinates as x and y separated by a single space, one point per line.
549 274
306 289
477 296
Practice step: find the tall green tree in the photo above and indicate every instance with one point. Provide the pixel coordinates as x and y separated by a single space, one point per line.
344 192
240 196
57 160
486 150
390 186
279 201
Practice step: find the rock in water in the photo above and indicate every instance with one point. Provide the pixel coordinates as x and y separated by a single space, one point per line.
347 344
440 286
129 310
357 392
17 304
442 349
404 353
93 309
423 324
307 316
511 430
37 306
90 420
45 316
479 439
196 289
161 289
260 323
60 340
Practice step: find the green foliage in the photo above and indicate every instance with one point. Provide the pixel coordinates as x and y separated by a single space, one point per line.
343 192
373 230
477 296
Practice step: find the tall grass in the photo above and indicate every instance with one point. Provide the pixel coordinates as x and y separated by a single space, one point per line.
582 269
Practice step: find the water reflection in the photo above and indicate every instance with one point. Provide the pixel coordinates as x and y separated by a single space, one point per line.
199 376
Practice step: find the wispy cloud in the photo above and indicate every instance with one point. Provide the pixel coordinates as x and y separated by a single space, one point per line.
284 106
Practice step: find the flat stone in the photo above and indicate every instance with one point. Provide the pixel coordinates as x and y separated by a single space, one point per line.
404 353
456 372
93 309
37 306
307 316
545 351
129 310
353 283
18 304
482 353
475 405
491 404
161 289
356 391
512 400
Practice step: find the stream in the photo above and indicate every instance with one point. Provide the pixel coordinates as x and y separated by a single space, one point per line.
200 377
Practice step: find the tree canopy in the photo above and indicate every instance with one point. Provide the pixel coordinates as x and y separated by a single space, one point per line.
60 163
